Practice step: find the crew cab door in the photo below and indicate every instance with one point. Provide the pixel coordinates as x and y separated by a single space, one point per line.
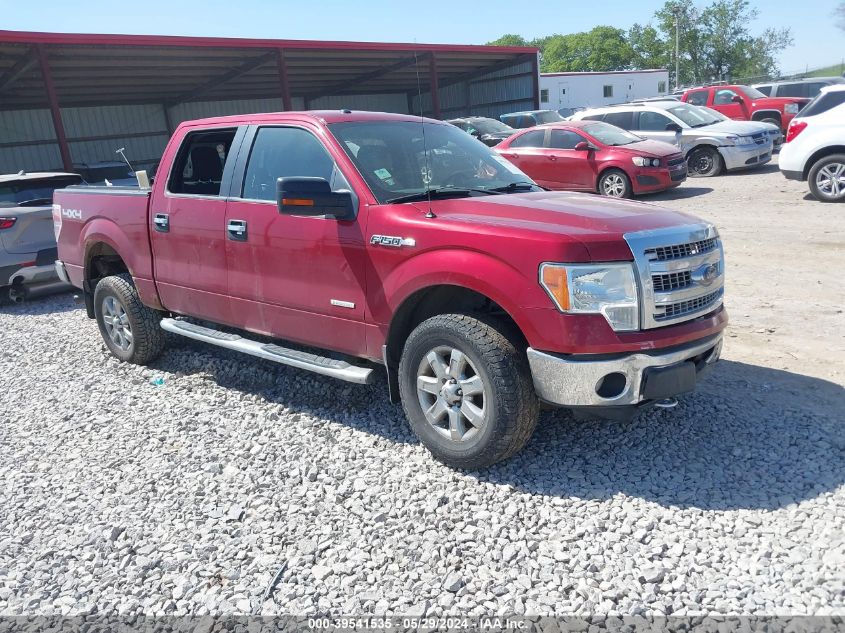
294 277
187 224
723 101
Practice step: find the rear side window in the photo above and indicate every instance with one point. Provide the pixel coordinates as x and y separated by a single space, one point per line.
564 139
593 117
534 138
698 97
766 90
823 102
792 90
198 169
283 152
625 120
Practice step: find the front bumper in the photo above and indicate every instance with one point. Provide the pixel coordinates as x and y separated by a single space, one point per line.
745 156
617 380
659 179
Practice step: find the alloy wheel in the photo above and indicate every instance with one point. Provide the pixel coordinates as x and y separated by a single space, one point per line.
117 323
614 186
831 180
452 394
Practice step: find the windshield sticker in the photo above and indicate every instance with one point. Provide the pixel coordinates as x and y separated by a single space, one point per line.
508 165
384 176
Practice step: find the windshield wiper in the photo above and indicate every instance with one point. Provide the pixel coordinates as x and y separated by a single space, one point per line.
440 192
514 186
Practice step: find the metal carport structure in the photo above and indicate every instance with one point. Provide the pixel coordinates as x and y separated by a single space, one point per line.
98 91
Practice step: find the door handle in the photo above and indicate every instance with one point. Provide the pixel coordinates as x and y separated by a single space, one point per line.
161 222
552 157
513 155
236 230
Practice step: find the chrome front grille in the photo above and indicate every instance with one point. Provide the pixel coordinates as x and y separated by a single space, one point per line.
676 251
680 272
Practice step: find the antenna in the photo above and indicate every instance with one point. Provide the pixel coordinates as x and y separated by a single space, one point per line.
427 169
126 160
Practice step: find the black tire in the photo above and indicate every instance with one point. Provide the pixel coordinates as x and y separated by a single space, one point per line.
704 162
509 403
816 179
615 183
146 338
773 121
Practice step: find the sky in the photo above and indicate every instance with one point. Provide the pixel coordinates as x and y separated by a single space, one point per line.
818 42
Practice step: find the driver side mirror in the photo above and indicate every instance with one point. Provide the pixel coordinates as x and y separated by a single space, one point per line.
673 127
311 197
583 146
737 99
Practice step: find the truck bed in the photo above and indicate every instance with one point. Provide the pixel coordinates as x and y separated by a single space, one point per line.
116 216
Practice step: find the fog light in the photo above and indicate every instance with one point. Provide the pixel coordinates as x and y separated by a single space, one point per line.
612 385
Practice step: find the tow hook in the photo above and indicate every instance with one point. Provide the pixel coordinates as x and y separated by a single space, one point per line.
666 403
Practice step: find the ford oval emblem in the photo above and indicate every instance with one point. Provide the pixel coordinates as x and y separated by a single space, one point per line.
706 274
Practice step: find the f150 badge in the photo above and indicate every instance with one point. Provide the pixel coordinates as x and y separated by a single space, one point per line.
393 241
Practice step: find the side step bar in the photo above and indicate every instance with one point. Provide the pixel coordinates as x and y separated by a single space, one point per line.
295 358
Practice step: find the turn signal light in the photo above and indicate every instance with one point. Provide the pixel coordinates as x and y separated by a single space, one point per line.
554 280
795 128
297 202
7 223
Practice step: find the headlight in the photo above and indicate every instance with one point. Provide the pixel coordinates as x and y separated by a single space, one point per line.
607 289
739 140
644 161
791 108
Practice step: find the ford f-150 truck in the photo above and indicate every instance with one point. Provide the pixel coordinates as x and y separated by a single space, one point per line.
394 240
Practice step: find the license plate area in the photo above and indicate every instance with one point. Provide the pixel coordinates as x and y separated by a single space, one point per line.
665 382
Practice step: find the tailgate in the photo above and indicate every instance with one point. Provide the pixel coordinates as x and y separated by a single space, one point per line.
31 232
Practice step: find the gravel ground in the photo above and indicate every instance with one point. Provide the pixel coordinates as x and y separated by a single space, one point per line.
120 495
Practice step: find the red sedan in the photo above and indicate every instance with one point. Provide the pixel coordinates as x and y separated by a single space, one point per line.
594 156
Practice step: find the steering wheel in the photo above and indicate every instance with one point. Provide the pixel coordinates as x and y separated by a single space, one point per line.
466 177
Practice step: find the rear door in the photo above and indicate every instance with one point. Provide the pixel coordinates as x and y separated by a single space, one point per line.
187 224
526 151
294 277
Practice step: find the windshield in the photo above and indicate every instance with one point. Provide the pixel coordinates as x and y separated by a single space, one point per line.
547 116
610 134
397 161
488 126
752 92
13 194
694 116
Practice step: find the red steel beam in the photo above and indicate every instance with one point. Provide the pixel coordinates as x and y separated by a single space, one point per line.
55 112
535 70
435 91
284 84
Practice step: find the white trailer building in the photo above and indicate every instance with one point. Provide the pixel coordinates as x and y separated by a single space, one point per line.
583 90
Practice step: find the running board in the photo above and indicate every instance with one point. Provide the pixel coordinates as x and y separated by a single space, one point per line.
295 358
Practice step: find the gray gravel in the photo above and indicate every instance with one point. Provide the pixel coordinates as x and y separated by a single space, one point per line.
118 494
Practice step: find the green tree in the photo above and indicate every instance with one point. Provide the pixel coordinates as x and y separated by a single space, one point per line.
509 39
648 48
601 49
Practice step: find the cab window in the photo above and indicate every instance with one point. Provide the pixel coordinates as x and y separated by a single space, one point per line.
724 97
698 97
198 169
286 152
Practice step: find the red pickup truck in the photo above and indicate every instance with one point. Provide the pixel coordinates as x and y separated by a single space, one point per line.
393 240
744 103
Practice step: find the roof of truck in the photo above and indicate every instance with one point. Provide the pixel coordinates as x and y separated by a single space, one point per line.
322 116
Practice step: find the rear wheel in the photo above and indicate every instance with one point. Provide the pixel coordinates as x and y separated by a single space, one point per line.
827 178
775 122
130 329
467 390
704 162
615 184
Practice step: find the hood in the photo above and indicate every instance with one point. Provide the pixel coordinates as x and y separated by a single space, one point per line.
658 149
599 223
724 128
748 127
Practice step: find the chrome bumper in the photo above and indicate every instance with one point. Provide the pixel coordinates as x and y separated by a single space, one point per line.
574 381
61 271
737 157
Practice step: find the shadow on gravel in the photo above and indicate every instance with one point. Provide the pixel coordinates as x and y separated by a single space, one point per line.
679 193
750 438
48 304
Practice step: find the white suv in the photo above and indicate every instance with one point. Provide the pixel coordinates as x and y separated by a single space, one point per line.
815 145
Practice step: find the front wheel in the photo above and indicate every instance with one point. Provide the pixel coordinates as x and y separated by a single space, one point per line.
615 184
704 162
827 178
131 330
467 390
